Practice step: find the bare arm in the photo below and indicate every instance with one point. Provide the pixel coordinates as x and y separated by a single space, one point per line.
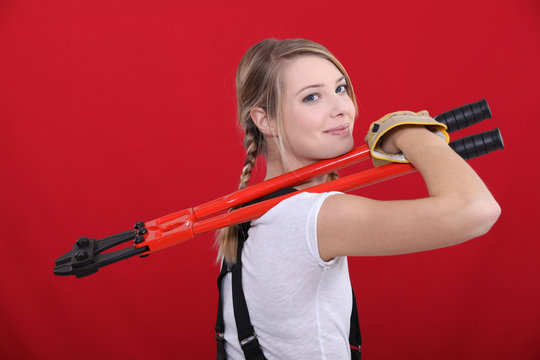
459 206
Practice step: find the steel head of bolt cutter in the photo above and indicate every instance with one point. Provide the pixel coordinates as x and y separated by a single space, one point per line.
86 257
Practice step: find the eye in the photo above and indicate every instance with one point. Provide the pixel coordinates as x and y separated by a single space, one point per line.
311 98
341 88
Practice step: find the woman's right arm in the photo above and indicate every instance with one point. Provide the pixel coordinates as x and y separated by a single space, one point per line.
459 206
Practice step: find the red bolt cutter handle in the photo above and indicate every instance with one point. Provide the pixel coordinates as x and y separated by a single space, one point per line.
189 227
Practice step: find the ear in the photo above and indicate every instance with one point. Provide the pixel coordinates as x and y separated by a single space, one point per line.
263 122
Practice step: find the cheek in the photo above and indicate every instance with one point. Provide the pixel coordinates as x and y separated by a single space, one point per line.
300 121
352 113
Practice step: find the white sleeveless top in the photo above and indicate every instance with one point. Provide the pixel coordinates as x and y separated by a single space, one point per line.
299 305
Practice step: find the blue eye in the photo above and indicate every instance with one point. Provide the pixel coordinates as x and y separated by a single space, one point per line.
341 88
311 98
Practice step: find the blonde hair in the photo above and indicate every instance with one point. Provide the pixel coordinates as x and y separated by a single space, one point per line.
258 84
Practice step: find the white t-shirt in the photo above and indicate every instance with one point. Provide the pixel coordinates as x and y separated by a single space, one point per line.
299 305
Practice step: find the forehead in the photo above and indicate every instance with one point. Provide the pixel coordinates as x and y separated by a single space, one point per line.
308 70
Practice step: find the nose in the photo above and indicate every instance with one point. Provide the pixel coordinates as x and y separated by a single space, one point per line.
340 105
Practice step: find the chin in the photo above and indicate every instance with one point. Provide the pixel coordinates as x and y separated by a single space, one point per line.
341 149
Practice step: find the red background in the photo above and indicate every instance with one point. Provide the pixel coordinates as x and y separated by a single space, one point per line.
118 111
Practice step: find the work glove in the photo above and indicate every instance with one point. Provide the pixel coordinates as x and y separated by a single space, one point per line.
378 128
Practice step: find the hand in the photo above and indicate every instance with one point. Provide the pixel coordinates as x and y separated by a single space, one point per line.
384 133
390 143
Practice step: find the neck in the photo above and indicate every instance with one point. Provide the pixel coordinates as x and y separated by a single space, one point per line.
275 167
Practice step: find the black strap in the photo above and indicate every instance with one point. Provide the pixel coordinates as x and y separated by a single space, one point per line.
246 333
220 324
355 339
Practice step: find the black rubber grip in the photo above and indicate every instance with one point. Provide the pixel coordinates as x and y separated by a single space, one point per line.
465 115
478 144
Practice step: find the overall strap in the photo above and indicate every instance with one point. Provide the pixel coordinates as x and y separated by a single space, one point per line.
355 339
246 333
220 324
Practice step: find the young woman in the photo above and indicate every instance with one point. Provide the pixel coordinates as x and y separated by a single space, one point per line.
296 105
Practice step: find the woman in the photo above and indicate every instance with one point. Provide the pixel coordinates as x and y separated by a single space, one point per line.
296 105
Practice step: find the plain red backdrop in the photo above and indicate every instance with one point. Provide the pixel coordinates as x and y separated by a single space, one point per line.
118 111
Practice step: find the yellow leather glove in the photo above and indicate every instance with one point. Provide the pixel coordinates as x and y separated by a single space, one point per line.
380 127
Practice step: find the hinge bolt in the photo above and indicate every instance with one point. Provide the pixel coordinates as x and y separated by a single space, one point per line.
81 255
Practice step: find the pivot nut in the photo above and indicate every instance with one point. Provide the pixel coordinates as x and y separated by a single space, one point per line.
81 255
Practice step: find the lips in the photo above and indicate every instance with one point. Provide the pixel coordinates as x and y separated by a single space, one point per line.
338 130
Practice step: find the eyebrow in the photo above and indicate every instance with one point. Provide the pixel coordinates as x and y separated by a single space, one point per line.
317 85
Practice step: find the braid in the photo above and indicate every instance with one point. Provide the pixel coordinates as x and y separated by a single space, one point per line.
227 239
252 150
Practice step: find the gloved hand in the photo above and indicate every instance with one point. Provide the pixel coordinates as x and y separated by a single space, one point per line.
390 121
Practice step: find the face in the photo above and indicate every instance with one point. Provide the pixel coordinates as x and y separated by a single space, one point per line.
318 114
